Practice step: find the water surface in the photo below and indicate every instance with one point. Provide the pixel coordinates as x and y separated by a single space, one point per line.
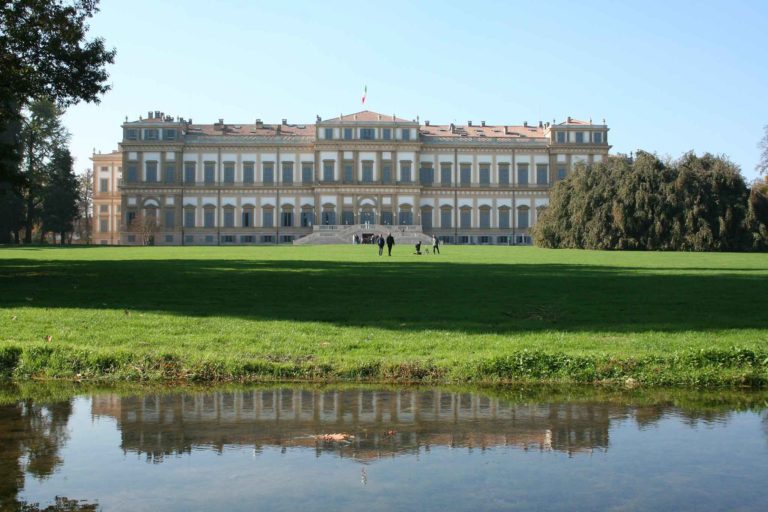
384 449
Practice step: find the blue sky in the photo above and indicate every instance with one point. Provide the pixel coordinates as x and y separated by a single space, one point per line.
667 76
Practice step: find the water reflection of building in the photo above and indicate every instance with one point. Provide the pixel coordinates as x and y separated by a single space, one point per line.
383 423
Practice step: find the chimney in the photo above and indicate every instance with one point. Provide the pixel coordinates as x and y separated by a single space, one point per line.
541 125
284 122
506 130
149 114
426 122
379 118
259 124
278 129
469 123
158 115
221 120
453 127
525 124
318 119
569 119
482 123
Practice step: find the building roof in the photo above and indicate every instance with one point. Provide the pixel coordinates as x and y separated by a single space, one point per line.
495 131
261 129
366 116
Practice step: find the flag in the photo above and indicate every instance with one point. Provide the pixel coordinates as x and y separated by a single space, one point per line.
365 91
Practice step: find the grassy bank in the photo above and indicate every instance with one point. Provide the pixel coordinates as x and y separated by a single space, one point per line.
471 314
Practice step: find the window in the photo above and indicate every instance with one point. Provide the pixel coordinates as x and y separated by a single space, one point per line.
522 174
426 174
286 219
542 174
169 134
445 174
307 173
169 218
188 239
386 133
267 239
328 217
209 216
522 217
328 171
130 218
597 137
151 172
347 133
485 217
105 169
347 217
406 217
485 174
465 218
465 174
209 172
248 173
131 238
561 173
329 133
104 208
579 137
446 217
104 225
386 172
104 185
288 173
367 133
561 137
426 218
229 217
246 239
247 217
268 173
131 134
229 172
151 134
463 239
405 172
209 239
170 173
189 172
348 172
286 239
267 217
406 134
307 217
131 175
386 218
504 218
367 172
504 175
502 240
169 239
189 217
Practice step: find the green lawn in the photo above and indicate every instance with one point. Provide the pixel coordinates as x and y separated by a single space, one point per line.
343 312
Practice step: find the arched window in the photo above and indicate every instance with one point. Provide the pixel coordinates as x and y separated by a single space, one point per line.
328 215
286 216
307 216
405 217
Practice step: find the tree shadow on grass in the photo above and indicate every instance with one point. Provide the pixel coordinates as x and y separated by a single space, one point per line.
407 296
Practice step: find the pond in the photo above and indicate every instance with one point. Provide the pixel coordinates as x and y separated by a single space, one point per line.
346 448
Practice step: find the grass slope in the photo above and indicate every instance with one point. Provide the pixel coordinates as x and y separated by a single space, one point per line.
471 314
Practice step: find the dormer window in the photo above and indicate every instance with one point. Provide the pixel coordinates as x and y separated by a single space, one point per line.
386 133
560 137
367 133
131 134
579 137
347 133
169 134
597 137
151 134
329 133
406 134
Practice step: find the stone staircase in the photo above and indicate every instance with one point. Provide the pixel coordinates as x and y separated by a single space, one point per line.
341 234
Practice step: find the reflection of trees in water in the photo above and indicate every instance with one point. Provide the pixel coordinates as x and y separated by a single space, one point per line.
62 504
31 436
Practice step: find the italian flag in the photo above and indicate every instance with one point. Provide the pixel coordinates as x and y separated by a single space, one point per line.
365 91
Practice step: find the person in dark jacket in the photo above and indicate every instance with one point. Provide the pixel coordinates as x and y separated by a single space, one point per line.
435 245
380 243
390 243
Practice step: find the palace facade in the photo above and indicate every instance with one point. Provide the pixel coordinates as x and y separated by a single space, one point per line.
356 174
107 171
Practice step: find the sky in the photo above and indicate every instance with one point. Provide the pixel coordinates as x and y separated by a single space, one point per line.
668 77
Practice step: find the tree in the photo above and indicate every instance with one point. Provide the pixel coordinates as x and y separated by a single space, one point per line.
762 164
83 227
44 53
42 136
146 227
60 196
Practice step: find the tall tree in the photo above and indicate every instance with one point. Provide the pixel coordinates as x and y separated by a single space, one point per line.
60 196
42 135
83 227
762 165
44 53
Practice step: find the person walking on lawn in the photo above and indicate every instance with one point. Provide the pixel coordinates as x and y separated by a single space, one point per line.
390 243
380 243
435 245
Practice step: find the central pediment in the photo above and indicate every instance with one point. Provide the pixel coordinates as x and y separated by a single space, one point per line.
366 116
